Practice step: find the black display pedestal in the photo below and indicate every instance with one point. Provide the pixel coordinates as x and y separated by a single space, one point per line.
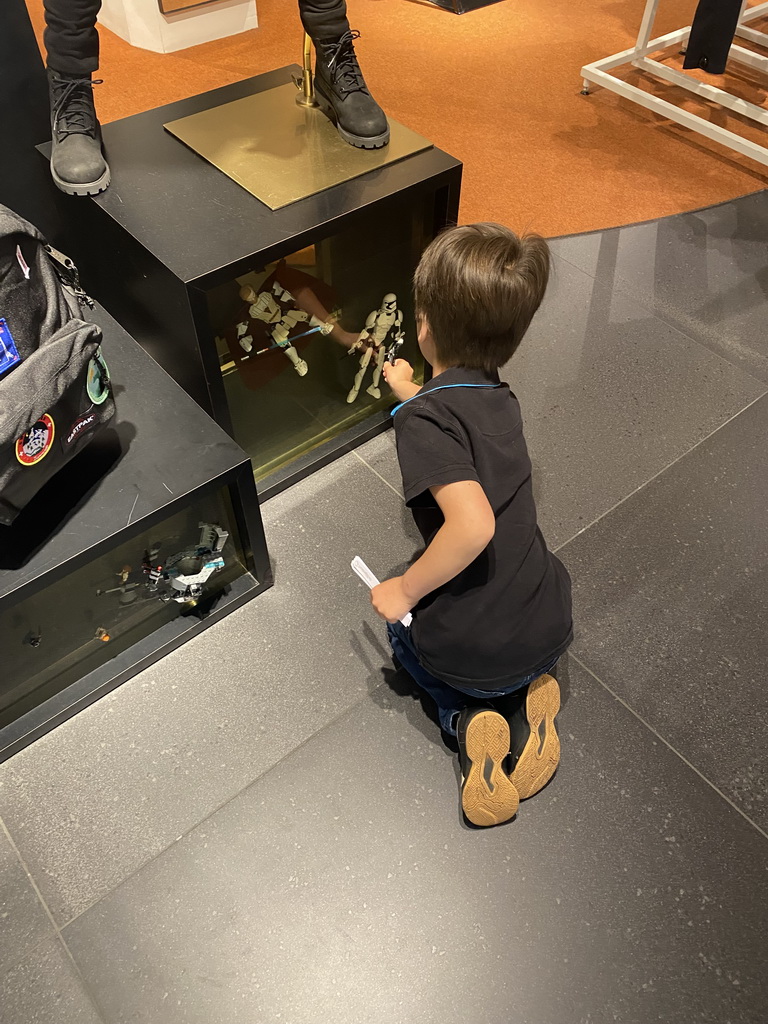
152 477
172 228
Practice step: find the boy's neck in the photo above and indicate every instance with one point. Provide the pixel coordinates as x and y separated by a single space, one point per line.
438 368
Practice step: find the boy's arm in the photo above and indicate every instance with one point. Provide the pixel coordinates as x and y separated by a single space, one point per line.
467 531
399 376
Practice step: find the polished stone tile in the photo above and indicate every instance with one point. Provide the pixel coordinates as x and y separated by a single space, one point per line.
671 606
706 272
381 455
45 989
610 396
343 886
23 920
93 800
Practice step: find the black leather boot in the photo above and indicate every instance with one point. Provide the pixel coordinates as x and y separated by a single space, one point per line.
77 163
344 97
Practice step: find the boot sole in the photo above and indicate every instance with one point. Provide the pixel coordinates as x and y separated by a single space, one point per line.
88 188
541 754
358 141
488 798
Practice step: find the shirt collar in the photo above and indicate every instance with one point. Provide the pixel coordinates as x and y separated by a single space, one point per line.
462 375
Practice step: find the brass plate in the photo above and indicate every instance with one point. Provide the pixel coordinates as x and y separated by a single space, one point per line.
282 152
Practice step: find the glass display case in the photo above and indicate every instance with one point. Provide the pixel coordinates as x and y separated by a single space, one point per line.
180 567
255 311
148 536
301 341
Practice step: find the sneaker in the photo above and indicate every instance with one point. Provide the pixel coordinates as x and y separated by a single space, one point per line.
488 797
343 96
535 745
78 166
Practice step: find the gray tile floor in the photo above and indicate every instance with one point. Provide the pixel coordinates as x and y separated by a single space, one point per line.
265 826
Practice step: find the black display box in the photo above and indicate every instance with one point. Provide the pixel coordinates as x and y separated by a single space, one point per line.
166 249
77 617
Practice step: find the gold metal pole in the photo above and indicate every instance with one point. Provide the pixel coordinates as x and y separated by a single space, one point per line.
306 97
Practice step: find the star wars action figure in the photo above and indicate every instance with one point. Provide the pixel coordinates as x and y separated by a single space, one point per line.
78 165
181 579
267 307
373 338
188 571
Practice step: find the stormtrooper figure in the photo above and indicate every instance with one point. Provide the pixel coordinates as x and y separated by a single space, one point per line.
268 308
373 338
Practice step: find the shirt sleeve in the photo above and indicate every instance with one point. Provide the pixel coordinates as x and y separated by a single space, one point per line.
432 450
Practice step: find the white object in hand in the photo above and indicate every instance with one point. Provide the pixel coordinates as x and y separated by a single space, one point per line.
359 568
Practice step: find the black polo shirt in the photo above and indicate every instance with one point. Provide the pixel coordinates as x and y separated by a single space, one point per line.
509 612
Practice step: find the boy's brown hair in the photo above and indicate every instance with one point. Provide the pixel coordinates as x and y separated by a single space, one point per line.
478 287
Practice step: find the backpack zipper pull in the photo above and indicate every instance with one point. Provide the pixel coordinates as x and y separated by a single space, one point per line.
69 276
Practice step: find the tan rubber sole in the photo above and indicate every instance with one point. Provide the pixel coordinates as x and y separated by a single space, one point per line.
541 754
488 797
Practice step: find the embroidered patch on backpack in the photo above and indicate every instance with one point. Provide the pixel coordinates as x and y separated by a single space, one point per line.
97 384
9 355
35 444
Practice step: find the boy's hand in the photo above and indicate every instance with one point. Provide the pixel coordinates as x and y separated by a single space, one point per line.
390 601
399 372
399 376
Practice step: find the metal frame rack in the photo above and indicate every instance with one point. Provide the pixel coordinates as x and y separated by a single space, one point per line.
599 73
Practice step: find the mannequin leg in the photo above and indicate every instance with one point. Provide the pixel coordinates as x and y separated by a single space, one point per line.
324 19
340 88
78 166
71 39
714 26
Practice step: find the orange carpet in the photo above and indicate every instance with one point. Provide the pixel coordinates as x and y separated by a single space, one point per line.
498 88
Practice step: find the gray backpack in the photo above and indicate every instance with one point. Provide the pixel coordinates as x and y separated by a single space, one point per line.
55 391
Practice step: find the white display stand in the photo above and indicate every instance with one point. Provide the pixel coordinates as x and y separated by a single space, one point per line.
142 24
599 74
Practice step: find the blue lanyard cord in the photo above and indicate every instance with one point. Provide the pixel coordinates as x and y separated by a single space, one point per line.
442 387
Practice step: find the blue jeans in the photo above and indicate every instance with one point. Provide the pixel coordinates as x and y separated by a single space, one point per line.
450 700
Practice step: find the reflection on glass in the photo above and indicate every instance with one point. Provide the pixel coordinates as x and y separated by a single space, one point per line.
302 341
180 567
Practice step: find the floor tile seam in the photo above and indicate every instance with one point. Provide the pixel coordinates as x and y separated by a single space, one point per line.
376 473
669 746
661 472
10 966
6 832
81 978
220 807
666 321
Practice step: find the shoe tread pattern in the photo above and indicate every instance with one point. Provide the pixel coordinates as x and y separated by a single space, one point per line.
541 755
488 798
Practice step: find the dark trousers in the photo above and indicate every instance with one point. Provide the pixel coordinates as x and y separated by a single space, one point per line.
71 39
450 700
72 42
714 26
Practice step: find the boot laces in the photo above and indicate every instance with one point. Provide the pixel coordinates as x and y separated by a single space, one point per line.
73 112
347 76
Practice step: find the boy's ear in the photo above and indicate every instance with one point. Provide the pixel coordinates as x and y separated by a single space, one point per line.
423 329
